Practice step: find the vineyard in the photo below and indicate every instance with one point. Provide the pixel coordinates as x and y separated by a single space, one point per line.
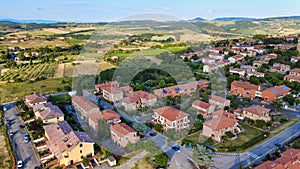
30 72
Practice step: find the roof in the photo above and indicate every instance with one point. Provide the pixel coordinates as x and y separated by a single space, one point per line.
105 114
48 111
270 165
107 84
122 129
218 99
245 85
112 90
291 152
137 96
84 103
279 90
236 70
35 98
62 138
255 109
221 120
297 70
171 113
202 104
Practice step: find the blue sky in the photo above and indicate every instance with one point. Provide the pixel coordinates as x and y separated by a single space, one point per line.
112 10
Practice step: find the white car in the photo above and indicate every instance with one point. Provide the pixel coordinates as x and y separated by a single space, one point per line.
20 164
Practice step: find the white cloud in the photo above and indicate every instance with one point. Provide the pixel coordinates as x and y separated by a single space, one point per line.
210 11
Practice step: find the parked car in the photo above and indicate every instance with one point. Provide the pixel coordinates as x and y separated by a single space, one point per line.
26 138
20 164
176 148
11 133
152 134
21 125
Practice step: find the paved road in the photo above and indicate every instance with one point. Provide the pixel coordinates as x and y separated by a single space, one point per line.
255 155
23 151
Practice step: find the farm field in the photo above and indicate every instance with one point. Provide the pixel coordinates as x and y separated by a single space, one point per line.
30 72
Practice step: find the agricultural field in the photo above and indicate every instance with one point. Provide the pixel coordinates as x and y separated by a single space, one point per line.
30 72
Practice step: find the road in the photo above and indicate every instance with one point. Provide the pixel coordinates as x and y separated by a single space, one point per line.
22 151
255 155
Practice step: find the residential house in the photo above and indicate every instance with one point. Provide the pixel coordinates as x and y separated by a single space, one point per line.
244 89
217 56
67 145
273 93
83 106
270 56
255 74
34 99
236 59
209 68
294 75
220 123
255 112
48 113
98 87
295 59
139 99
122 134
202 108
241 72
280 68
112 94
110 116
171 118
259 63
290 159
218 102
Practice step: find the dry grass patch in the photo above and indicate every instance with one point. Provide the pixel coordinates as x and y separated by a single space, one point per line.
59 72
4 155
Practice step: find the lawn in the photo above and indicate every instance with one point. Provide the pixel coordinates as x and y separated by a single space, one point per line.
15 91
284 126
194 138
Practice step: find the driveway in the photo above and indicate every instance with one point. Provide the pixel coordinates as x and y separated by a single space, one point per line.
22 151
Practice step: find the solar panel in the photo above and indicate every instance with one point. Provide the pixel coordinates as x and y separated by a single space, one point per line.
274 91
284 87
177 89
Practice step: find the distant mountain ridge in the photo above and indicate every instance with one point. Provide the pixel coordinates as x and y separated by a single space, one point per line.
29 21
234 19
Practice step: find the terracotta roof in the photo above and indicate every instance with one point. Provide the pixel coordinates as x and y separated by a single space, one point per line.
126 88
291 153
279 90
270 165
220 120
110 114
202 104
62 138
218 99
137 96
84 103
236 70
245 85
35 98
122 129
255 109
107 84
292 77
170 113
112 90
48 111
297 70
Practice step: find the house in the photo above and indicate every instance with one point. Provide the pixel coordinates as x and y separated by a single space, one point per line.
218 102
244 89
208 60
139 99
280 68
270 56
83 106
217 56
66 145
255 74
171 118
122 134
48 112
236 59
220 123
177 90
112 94
294 75
255 112
209 68
98 87
202 108
34 99
110 116
259 63
295 72
295 59
241 72
287 160
273 93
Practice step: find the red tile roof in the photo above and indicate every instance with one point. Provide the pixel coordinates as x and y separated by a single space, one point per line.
202 104
107 84
218 99
170 113
220 120
35 98
245 85
112 90
258 110
297 70
84 103
122 129
110 114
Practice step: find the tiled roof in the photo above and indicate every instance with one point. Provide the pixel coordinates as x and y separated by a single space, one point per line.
220 120
245 85
84 103
122 129
137 96
105 114
258 110
202 104
35 98
279 90
48 111
112 90
297 70
62 138
218 99
170 113
270 165
107 84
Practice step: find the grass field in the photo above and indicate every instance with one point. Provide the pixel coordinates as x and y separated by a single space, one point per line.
4 155
15 91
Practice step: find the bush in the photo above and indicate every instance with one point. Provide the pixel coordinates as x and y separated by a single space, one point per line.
229 134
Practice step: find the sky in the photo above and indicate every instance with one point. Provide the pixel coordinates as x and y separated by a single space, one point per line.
114 10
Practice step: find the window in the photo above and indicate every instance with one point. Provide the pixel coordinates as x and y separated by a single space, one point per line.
80 145
57 118
80 151
81 157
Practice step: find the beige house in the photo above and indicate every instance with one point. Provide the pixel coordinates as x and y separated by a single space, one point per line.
202 108
34 99
256 113
122 134
218 102
220 123
83 106
110 116
171 118
112 94
48 112
66 145
139 99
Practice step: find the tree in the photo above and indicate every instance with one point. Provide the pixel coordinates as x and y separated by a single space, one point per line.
202 156
103 129
289 98
158 128
162 83
161 160
85 161
297 101
140 128
277 104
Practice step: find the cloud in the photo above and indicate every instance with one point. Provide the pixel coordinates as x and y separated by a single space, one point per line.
166 8
210 11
